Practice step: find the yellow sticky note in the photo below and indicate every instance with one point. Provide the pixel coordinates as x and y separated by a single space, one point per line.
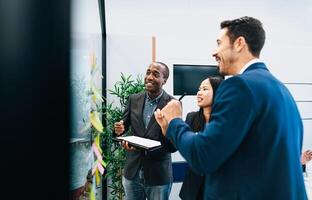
92 195
97 177
95 121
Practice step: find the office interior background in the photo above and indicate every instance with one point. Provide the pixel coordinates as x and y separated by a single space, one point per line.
185 33
46 47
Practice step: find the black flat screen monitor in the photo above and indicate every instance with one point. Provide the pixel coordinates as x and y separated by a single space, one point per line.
187 78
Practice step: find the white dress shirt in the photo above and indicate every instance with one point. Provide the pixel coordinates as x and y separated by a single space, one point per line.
253 61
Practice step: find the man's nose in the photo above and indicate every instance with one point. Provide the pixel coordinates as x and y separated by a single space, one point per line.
214 53
150 77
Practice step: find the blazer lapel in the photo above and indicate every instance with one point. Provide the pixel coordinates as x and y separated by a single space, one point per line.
140 106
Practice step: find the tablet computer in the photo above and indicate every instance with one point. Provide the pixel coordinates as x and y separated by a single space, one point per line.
140 142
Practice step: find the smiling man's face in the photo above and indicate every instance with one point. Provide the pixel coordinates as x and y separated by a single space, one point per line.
154 78
224 53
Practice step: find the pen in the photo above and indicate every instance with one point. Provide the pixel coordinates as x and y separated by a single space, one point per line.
181 97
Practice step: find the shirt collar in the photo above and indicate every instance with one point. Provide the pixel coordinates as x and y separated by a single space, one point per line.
253 61
156 99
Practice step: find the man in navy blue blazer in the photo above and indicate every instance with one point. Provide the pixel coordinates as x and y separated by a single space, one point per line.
251 147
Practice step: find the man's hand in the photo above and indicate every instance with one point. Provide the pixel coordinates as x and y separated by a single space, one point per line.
119 127
171 111
126 146
306 157
163 123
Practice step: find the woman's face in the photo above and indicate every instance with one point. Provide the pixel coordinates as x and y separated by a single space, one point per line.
204 94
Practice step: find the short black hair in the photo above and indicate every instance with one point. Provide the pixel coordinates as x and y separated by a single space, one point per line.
249 28
166 72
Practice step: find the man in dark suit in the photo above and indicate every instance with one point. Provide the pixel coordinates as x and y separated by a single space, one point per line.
147 174
251 147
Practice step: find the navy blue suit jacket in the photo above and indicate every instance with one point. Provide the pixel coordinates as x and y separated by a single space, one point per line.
251 147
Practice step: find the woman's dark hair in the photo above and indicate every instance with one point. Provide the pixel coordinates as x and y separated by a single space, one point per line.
199 120
215 81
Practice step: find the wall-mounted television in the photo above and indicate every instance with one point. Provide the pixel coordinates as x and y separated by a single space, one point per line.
187 78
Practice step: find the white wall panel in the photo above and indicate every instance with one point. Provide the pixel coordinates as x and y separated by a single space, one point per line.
307 139
301 91
305 109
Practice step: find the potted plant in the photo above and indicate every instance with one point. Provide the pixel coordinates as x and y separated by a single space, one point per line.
114 155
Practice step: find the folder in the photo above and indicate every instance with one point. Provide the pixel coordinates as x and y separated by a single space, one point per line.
140 142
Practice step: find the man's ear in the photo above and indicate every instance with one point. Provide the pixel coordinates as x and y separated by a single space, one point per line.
165 80
240 44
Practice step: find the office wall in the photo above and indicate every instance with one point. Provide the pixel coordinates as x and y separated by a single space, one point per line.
186 33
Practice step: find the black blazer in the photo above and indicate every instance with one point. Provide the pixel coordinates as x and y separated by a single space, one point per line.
193 184
156 164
